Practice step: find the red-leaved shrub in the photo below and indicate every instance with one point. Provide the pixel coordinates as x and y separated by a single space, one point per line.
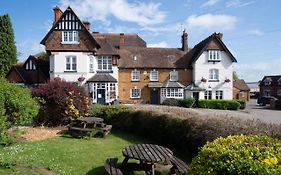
60 102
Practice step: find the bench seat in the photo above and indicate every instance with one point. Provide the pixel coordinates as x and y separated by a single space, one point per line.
111 167
179 166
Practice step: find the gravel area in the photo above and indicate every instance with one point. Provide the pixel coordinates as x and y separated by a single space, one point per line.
40 133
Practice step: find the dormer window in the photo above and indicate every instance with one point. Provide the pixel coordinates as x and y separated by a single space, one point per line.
70 37
267 81
214 55
30 66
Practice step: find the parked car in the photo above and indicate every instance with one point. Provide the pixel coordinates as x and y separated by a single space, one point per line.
265 100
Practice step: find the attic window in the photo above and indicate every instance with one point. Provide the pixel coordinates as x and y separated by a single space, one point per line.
70 37
267 81
214 55
30 66
171 57
135 58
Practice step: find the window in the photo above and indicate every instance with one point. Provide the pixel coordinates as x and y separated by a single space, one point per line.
172 92
214 55
279 81
70 63
266 92
70 37
267 82
214 74
104 63
208 95
30 66
174 75
154 75
279 92
135 93
219 95
112 91
135 75
91 64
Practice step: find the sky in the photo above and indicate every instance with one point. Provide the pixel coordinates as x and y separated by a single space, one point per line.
251 28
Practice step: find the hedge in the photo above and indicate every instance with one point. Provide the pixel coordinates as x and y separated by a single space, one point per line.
220 104
278 104
245 155
187 102
187 133
243 103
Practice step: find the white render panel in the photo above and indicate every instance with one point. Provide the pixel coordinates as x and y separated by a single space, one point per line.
201 70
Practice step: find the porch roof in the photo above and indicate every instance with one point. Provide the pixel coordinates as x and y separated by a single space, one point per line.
193 87
172 84
102 77
155 85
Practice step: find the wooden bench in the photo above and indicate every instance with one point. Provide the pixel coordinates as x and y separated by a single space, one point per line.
111 167
179 167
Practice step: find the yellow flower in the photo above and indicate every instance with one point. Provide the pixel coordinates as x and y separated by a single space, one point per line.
273 160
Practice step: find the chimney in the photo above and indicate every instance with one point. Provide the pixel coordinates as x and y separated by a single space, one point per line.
122 40
184 41
57 14
87 25
220 35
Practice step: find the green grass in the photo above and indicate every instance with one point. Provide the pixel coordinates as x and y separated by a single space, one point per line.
64 155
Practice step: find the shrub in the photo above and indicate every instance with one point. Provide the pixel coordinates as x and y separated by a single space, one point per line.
187 102
278 104
219 104
60 102
238 155
243 103
171 102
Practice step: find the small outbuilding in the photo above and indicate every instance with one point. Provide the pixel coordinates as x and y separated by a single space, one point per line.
241 90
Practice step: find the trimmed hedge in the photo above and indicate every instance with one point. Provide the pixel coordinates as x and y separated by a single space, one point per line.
243 103
187 102
238 155
187 133
219 104
278 104
171 102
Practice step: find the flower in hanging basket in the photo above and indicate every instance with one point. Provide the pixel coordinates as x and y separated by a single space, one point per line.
204 80
80 79
227 80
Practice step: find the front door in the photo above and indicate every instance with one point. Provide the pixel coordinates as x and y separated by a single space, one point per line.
154 97
101 96
196 97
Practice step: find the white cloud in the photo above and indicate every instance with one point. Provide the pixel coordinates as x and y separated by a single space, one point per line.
144 14
120 29
209 3
30 47
256 71
239 3
256 32
162 44
210 21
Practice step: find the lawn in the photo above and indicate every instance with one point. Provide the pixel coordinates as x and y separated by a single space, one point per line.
64 155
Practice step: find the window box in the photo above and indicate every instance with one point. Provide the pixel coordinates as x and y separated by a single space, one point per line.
204 80
227 80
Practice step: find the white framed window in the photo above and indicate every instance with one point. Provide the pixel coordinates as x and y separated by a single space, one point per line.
135 93
208 95
219 95
214 55
105 63
91 64
279 92
112 91
174 75
71 64
135 75
266 92
70 37
153 75
173 93
30 66
267 82
214 74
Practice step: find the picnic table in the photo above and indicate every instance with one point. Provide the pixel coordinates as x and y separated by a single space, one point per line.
148 155
87 125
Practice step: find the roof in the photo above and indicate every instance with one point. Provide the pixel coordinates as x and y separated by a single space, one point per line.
193 87
273 78
106 47
172 84
102 77
138 57
198 49
241 85
130 40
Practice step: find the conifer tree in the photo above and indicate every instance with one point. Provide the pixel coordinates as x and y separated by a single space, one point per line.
8 51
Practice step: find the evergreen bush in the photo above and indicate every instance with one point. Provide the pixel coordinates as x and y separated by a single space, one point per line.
219 104
171 102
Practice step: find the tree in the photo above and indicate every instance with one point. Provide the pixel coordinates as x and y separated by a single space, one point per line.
8 51
235 76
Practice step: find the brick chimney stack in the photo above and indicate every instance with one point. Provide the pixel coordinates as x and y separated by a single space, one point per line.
184 41
122 40
57 14
87 24
220 35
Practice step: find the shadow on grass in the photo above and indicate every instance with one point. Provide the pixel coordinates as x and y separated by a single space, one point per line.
96 171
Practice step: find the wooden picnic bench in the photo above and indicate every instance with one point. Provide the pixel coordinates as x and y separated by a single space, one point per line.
179 166
111 167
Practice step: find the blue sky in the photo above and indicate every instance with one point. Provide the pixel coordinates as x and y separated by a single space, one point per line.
251 28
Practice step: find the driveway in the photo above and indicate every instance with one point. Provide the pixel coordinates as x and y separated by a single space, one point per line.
252 111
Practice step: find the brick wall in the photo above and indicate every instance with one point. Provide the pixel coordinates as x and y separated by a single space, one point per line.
273 90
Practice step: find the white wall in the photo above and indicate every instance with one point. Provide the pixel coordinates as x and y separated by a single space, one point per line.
201 69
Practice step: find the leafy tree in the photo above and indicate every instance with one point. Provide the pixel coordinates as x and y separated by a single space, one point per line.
235 76
8 51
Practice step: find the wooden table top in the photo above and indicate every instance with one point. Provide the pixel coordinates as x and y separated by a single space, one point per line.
90 119
148 153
